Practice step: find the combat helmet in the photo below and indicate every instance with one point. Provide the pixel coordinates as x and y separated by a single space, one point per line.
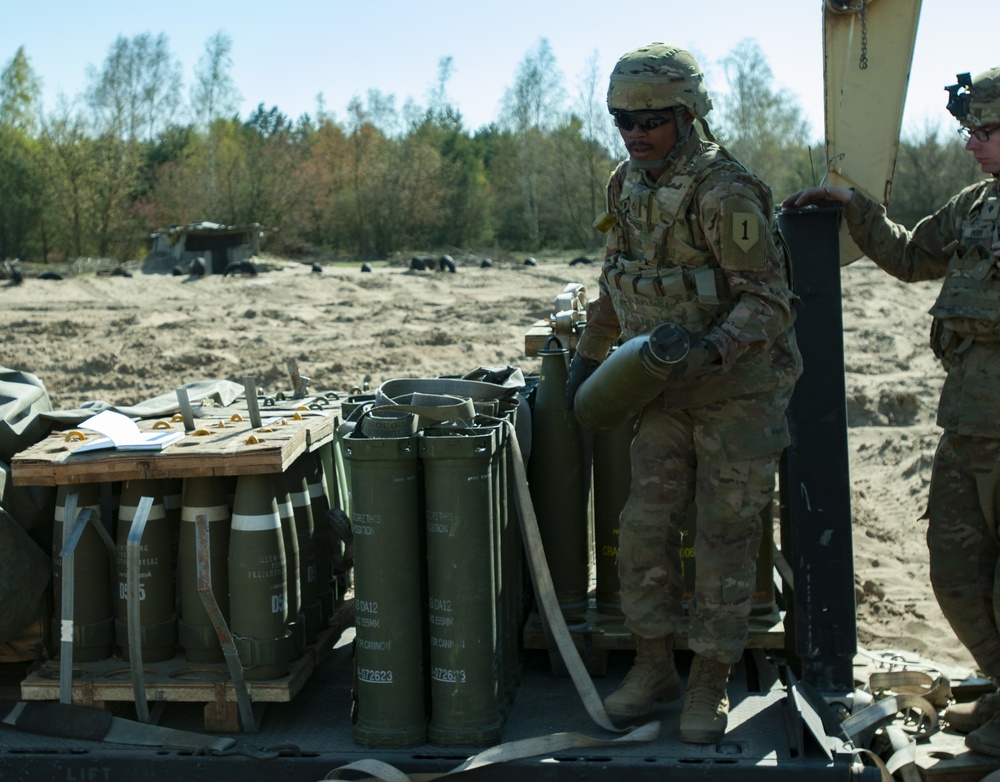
658 76
976 102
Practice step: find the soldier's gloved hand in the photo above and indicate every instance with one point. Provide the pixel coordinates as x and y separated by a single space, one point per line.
699 356
580 368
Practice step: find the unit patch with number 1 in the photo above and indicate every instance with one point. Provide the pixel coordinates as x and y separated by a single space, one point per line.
743 243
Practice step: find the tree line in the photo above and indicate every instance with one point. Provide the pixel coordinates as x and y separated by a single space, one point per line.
96 175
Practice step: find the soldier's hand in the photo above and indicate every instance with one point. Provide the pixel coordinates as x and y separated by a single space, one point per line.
580 368
700 356
818 195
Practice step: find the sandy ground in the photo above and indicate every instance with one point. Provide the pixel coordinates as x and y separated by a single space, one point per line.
126 339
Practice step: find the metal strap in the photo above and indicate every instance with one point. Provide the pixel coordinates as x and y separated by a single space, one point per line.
72 531
204 556
133 551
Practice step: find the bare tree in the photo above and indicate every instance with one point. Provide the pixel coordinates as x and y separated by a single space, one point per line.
596 128
531 107
136 93
764 127
214 96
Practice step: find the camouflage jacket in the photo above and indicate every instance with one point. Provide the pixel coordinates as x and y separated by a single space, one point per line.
953 244
698 247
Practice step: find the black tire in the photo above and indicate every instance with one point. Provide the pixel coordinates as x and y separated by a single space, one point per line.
243 268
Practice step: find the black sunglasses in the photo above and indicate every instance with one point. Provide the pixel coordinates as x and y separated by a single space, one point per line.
646 120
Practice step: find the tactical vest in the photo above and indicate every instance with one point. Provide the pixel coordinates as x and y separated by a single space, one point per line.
968 305
659 274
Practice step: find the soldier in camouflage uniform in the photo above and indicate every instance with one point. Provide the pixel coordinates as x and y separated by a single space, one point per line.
692 242
958 243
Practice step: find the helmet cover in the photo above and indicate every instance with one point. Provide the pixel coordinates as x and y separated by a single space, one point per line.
655 77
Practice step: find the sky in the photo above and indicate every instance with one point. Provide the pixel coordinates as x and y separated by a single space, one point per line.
288 53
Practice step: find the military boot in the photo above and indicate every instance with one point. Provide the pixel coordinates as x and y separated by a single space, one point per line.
652 678
986 738
966 717
706 705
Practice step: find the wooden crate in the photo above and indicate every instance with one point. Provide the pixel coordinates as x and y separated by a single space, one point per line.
178 680
223 443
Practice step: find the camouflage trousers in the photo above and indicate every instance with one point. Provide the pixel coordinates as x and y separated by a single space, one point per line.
963 543
723 459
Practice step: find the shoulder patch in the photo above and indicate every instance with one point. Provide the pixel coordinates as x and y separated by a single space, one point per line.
744 234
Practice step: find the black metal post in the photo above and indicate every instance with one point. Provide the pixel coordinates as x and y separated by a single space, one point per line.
820 620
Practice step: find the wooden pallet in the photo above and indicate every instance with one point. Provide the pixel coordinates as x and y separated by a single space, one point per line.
178 680
595 635
222 443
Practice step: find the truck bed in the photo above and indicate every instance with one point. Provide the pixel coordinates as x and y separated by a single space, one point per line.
310 736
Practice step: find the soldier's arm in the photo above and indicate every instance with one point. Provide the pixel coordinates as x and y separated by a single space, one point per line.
922 254
737 223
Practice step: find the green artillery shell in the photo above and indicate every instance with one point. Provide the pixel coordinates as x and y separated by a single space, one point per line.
157 614
558 488
93 620
258 587
203 497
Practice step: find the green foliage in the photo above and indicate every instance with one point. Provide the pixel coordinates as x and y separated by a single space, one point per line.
96 176
21 187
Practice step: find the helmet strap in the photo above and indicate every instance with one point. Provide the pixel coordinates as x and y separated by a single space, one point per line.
683 133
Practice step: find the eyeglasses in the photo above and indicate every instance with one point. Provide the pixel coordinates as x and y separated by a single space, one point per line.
982 135
646 120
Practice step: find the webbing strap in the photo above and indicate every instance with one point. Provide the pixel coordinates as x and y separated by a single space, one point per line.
513 750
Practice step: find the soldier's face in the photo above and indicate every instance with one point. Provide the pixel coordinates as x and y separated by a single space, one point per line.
986 153
649 143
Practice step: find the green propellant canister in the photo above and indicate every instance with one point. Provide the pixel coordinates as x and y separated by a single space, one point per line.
556 482
462 535
296 478
506 627
612 481
258 587
631 377
390 590
202 496
93 617
157 604
293 562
